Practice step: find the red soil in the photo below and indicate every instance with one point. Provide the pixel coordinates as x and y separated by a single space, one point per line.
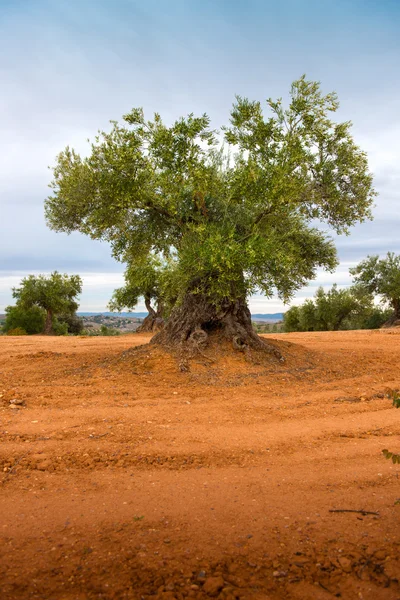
122 478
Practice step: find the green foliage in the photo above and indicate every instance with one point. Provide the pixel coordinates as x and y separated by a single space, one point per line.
382 277
17 331
336 309
291 319
150 277
308 317
371 319
233 223
30 319
59 328
103 331
395 396
73 322
55 294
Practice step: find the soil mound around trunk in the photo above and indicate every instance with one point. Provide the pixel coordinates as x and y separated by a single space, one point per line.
219 358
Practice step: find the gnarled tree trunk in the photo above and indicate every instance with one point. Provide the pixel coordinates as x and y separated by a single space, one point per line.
192 321
154 320
394 320
48 325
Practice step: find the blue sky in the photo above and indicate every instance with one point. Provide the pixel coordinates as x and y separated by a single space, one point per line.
68 67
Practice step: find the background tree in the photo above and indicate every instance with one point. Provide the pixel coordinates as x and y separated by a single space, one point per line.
291 319
31 319
332 308
351 308
149 278
381 277
234 224
55 294
307 317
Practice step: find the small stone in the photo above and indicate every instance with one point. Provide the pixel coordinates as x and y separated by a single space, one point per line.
194 587
44 465
345 563
16 401
167 541
14 406
213 585
279 573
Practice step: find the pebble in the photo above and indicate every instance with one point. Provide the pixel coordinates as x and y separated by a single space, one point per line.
16 401
213 585
345 563
43 466
14 406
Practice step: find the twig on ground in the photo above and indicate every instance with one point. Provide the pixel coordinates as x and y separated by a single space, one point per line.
206 357
11 469
348 510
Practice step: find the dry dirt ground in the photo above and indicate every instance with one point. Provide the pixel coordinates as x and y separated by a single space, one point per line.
123 478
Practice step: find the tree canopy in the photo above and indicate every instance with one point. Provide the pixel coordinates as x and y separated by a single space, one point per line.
237 211
381 277
56 294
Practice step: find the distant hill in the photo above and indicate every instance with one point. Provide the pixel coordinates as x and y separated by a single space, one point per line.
270 317
141 315
137 315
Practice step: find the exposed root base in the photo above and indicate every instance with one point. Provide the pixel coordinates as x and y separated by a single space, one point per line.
213 346
192 325
218 362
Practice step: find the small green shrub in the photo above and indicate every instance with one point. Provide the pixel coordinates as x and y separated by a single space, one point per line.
60 328
103 331
31 320
16 331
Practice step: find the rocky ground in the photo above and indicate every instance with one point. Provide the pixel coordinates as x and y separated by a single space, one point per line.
122 478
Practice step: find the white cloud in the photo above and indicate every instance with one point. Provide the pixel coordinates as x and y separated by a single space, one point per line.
97 290
60 81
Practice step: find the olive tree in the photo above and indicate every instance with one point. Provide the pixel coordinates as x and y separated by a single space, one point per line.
381 276
331 310
238 211
56 294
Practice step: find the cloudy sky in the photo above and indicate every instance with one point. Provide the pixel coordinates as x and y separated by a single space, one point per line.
67 67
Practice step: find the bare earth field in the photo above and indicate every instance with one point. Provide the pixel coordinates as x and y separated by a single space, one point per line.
122 478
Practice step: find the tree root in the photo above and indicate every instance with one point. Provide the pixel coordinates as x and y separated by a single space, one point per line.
196 323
